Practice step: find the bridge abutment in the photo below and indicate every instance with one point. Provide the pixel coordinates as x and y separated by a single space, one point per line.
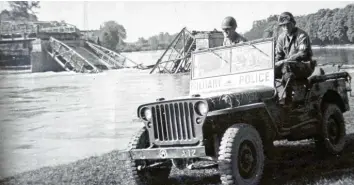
41 60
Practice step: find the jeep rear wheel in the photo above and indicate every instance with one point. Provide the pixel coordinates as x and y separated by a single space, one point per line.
152 175
241 155
331 136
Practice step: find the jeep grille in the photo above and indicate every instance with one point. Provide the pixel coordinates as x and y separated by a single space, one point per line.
174 123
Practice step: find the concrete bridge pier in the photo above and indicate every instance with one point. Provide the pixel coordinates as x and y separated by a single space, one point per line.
41 60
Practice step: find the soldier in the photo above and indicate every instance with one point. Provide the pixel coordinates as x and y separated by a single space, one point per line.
293 53
229 26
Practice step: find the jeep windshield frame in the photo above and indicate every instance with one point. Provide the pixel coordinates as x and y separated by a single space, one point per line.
243 65
227 60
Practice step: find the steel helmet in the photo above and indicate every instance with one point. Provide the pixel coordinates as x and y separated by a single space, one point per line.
229 22
285 18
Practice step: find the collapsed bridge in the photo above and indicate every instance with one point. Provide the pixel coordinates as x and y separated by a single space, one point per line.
53 46
58 46
177 57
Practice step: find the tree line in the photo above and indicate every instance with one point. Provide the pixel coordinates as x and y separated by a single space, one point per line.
156 42
325 27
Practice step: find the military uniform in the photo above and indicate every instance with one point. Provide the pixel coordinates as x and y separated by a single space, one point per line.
236 38
296 48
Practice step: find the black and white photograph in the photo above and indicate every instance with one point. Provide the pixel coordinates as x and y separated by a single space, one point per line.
176 92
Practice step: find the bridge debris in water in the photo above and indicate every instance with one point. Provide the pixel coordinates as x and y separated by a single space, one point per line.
68 58
176 58
91 58
113 59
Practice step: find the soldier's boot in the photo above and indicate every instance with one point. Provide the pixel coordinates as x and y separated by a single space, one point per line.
288 96
300 92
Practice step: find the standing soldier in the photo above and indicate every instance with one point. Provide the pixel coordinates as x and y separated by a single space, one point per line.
229 26
293 53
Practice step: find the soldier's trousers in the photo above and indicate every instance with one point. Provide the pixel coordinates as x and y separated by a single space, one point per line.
294 70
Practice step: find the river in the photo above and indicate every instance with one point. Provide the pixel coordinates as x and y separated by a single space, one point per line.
54 118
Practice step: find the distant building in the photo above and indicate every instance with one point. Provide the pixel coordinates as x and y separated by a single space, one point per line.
91 35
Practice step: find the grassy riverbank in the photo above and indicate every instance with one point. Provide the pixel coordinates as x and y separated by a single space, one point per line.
296 164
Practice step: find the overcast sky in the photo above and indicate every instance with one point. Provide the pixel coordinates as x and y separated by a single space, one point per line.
147 18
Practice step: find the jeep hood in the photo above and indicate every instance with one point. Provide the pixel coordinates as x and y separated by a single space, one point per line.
245 94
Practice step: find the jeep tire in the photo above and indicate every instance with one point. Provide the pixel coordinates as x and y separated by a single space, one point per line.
331 136
157 175
241 155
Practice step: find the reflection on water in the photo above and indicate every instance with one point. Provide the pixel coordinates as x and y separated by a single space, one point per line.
345 56
53 118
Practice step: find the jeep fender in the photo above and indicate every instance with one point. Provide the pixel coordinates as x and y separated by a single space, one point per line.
268 130
332 96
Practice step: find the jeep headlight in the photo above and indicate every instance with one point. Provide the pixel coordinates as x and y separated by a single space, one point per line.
202 108
146 114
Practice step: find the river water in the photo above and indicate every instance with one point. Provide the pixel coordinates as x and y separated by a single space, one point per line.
54 118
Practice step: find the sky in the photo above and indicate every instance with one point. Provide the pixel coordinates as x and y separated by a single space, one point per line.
148 18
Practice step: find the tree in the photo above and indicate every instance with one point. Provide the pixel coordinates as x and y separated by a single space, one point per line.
5 15
338 27
154 43
112 35
24 9
350 24
142 41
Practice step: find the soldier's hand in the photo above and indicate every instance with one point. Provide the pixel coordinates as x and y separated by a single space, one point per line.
279 63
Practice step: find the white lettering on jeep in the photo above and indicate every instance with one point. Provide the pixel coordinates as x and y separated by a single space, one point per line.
264 77
254 78
207 84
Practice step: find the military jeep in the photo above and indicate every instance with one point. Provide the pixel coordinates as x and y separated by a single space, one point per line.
234 113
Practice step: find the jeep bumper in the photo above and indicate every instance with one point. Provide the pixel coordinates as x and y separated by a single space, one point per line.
163 153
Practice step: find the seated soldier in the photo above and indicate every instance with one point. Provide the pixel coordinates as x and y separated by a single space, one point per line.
293 51
231 37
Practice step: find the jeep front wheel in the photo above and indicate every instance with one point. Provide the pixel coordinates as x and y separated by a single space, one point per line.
331 136
150 175
241 155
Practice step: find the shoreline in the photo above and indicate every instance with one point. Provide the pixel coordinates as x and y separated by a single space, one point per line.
335 46
343 46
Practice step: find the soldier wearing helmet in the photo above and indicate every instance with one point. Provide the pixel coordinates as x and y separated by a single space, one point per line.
229 26
293 53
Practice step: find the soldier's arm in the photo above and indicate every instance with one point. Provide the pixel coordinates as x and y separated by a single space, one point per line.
239 39
304 48
224 42
243 39
279 53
